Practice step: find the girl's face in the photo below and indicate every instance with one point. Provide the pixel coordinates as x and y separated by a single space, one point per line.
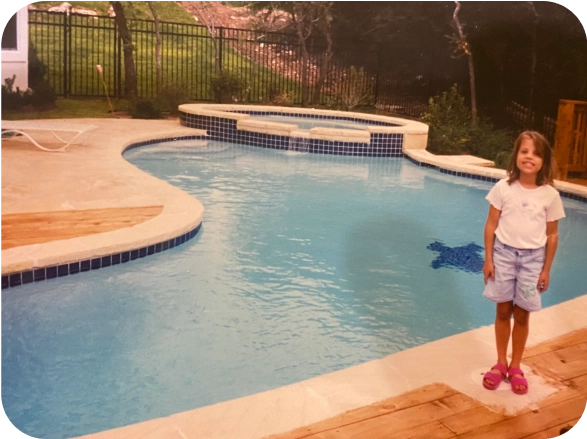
528 161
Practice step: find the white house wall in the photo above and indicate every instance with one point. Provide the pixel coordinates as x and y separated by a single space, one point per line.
15 62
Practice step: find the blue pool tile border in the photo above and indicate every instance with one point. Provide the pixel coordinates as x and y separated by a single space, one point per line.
225 129
12 280
562 193
164 139
68 269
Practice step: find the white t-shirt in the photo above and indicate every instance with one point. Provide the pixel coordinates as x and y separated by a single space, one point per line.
524 213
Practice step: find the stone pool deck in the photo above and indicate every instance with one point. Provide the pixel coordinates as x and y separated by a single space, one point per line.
88 176
93 175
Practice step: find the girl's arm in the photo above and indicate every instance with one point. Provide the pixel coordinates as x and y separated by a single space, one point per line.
551 245
488 238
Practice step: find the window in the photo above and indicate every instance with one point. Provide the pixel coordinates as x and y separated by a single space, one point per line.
9 35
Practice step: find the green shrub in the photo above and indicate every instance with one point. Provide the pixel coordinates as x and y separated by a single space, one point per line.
227 86
449 122
449 139
43 95
39 95
171 97
284 99
449 108
272 91
145 109
12 99
354 89
36 68
451 132
334 102
491 143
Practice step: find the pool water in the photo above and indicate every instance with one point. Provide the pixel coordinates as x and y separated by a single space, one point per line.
305 264
306 123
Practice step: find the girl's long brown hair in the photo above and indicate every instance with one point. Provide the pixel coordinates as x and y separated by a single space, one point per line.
547 173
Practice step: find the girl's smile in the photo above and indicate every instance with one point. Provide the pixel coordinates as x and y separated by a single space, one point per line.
528 161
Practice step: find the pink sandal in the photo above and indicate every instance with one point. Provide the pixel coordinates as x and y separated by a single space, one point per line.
497 379
517 380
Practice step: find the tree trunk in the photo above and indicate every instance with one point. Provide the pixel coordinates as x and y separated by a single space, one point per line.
130 73
201 10
327 57
305 62
464 46
323 68
158 66
305 76
474 116
530 119
298 16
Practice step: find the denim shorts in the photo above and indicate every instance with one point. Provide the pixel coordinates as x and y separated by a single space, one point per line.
516 276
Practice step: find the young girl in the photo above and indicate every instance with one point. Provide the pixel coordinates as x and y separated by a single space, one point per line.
521 236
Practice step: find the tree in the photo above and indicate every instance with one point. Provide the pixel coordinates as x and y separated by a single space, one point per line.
412 28
535 21
324 24
307 17
530 59
201 9
463 46
130 73
302 17
510 66
158 66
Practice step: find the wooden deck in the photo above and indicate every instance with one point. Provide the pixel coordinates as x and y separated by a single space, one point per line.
39 227
439 412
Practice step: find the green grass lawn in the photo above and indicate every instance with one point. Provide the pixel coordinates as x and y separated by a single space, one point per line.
72 47
72 108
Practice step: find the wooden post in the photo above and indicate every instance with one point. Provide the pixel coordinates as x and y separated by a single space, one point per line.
564 136
570 145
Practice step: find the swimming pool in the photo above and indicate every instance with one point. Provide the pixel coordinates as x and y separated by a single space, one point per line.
304 264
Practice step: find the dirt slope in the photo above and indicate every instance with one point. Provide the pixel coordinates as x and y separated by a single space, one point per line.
224 15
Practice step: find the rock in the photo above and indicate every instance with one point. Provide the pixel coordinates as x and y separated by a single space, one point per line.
66 7
83 11
63 7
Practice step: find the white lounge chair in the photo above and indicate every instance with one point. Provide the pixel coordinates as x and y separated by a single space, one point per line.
25 126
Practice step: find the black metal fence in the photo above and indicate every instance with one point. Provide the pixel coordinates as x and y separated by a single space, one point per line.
270 64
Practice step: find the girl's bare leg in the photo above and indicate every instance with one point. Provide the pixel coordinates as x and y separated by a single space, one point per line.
519 336
503 329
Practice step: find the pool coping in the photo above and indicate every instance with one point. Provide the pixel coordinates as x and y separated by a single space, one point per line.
455 165
179 221
414 134
456 361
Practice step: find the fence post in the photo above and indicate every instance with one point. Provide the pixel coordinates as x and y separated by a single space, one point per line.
220 44
377 70
118 61
65 54
114 59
